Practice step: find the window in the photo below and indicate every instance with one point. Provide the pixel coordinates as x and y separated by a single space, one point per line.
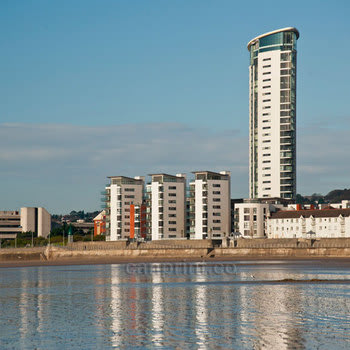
266 93
268 100
246 217
172 208
216 199
286 71
266 107
265 175
285 106
172 215
266 141
216 185
172 222
267 66
268 79
267 188
266 147
216 221
129 189
216 192
129 196
284 113
266 87
266 182
216 214
172 229
266 168
172 187
266 120
268 134
267 155
285 96
265 73
266 127
285 56
267 59
172 194
265 114
216 228
173 201
216 207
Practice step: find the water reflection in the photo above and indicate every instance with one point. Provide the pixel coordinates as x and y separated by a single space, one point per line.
116 307
24 308
201 307
107 307
157 309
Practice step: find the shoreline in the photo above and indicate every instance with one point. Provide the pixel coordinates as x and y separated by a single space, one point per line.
245 260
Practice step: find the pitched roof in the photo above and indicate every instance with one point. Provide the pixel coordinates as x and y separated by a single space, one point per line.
324 213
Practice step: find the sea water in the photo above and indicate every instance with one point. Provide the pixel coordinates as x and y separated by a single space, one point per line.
241 305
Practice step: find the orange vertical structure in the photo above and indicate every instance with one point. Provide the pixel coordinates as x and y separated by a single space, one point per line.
132 221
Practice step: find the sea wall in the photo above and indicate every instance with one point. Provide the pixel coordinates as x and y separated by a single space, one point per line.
182 249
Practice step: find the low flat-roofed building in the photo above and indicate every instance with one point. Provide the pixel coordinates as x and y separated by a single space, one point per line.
28 219
311 223
10 223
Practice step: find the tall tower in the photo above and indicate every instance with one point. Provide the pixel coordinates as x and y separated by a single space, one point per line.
272 114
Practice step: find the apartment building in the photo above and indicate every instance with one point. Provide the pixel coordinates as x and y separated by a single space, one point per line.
165 206
250 217
272 114
210 205
311 223
125 210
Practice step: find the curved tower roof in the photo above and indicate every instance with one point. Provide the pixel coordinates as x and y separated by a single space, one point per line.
287 29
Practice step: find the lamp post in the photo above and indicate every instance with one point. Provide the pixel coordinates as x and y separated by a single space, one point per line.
63 234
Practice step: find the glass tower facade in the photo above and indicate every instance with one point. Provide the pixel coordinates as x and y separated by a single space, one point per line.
272 109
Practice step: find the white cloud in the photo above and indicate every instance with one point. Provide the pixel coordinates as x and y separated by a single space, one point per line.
64 167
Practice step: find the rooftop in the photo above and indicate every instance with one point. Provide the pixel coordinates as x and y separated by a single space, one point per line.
287 29
316 213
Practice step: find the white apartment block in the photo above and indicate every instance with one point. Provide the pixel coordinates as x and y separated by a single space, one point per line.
324 223
166 209
250 218
210 205
123 196
272 114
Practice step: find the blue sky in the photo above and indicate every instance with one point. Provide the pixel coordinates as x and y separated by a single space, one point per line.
96 88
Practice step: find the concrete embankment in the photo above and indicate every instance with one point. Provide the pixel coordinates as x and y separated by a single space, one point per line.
183 249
